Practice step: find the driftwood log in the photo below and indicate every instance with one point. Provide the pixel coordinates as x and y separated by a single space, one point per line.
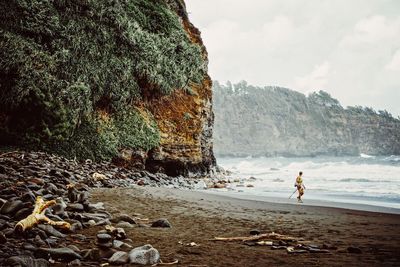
272 235
38 216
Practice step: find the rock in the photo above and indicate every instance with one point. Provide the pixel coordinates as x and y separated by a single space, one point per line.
161 223
75 263
103 238
62 254
11 206
119 257
124 225
26 261
249 185
3 238
75 207
37 181
50 230
2 201
255 232
144 255
28 196
96 206
103 222
124 218
354 250
39 242
120 234
91 223
117 244
74 248
22 213
219 185
76 226
52 241
29 247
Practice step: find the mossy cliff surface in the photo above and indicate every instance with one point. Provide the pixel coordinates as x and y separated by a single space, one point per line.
106 79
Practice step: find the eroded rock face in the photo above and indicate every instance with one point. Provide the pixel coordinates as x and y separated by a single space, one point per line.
185 120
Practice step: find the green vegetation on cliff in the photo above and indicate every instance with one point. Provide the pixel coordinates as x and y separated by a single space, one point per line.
65 63
269 121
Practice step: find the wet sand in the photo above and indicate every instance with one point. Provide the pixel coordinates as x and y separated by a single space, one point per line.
199 217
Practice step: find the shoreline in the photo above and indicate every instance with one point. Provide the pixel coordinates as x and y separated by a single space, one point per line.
306 202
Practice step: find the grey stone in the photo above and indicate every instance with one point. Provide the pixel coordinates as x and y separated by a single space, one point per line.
124 225
164 223
75 263
50 230
120 233
117 244
3 238
26 261
63 254
104 240
22 213
11 206
75 207
119 257
124 218
144 255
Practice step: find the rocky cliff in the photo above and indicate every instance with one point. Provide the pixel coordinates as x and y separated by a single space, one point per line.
121 80
272 121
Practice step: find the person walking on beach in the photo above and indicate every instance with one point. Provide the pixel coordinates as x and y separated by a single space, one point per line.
300 187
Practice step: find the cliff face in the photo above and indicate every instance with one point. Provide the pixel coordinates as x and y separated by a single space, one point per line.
97 79
274 121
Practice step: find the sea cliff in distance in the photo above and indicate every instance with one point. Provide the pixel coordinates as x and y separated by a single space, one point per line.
276 121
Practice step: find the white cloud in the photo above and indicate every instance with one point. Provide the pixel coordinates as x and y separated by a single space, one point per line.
317 79
394 64
348 48
277 31
372 30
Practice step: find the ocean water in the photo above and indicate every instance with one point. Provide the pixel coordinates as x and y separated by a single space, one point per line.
365 179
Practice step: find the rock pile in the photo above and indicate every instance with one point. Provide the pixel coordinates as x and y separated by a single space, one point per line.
26 176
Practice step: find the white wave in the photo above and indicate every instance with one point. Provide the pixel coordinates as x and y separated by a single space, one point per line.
365 156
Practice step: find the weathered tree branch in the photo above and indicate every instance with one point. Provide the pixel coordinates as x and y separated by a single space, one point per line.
38 216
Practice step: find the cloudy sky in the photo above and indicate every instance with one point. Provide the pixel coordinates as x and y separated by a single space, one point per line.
349 48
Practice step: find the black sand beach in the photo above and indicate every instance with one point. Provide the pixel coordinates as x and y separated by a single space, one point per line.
351 237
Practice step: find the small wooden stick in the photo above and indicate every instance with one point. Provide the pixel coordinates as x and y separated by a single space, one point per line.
255 237
166 263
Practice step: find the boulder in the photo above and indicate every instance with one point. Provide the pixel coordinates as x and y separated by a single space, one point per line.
144 255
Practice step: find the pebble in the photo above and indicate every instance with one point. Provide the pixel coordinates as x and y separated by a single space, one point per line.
117 244
75 207
11 206
103 238
119 257
124 225
3 238
63 254
124 218
51 231
164 223
27 261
